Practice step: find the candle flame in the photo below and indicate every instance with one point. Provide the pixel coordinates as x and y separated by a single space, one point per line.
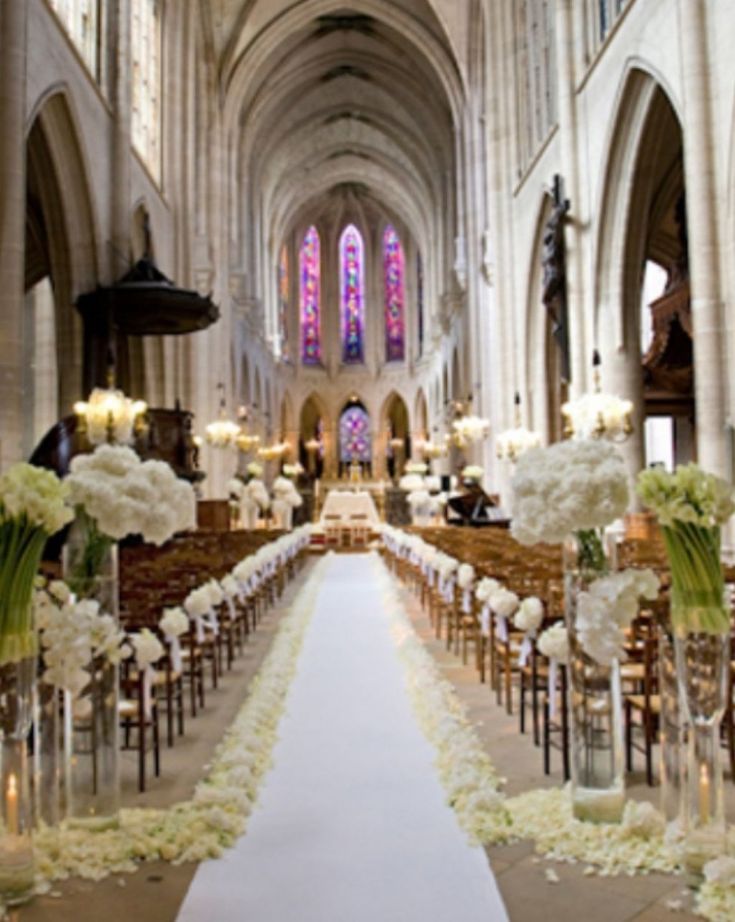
12 786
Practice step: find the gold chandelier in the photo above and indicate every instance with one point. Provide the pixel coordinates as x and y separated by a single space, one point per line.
596 415
109 416
222 432
512 443
274 451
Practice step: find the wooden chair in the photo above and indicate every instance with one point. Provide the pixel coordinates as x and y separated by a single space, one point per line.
647 707
556 729
141 717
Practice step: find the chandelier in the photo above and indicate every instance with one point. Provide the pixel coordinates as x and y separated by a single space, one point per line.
246 441
313 445
222 432
109 416
598 415
272 452
469 429
512 443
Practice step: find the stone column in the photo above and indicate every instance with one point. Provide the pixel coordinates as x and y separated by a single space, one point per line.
122 101
580 351
704 262
13 62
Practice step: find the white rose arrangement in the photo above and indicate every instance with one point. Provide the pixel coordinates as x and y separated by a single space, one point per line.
33 506
554 642
174 622
504 602
284 490
147 648
254 469
411 483
473 472
465 576
198 603
230 586
293 470
530 615
486 587
607 609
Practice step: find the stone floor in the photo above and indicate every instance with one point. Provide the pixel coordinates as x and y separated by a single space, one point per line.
155 893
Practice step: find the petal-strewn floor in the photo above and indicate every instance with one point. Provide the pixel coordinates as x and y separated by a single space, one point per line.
352 823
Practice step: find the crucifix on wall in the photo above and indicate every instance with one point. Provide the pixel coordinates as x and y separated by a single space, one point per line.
554 285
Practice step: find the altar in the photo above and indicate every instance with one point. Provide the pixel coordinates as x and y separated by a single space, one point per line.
346 504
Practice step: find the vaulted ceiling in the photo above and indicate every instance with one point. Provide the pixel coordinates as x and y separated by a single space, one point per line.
322 98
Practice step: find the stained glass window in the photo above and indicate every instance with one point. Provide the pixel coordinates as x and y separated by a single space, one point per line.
354 435
145 42
394 265
352 295
84 21
310 277
420 300
283 284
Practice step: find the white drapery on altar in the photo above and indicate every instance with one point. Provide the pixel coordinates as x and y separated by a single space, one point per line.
346 504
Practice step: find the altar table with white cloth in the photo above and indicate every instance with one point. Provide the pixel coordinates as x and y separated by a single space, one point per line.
346 504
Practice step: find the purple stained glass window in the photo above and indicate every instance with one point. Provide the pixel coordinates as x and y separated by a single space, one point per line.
310 277
394 266
283 286
354 435
352 295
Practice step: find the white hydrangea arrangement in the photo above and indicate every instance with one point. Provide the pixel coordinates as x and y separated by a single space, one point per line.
33 506
486 587
411 483
606 610
504 602
147 648
473 472
566 488
234 488
416 467
293 470
256 492
254 469
116 495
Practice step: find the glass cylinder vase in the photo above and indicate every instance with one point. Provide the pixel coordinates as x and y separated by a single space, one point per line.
702 664
595 699
47 755
91 722
672 738
92 749
16 816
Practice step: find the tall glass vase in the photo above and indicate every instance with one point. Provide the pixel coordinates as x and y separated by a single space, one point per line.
672 738
702 663
595 699
16 815
91 721
47 755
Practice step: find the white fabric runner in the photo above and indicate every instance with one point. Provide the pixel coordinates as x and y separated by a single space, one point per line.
352 824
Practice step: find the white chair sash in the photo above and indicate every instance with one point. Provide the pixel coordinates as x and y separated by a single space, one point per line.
526 647
149 676
501 630
174 652
485 620
212 621
553 676
467 601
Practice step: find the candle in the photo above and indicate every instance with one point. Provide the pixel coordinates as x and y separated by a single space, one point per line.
11 806
703 794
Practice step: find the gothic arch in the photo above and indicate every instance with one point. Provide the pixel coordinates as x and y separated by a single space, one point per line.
60 228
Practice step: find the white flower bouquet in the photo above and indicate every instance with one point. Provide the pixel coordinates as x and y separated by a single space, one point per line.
174 622
147 648
284 490
33 506
691 506
486 588
293 470
116 495
554 642
257 493
530 614
607 609
569 488
465 576
473 472
254 469
234 488
503 602
411 482
415 467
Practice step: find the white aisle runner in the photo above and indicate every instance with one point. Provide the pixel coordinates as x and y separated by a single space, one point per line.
351 824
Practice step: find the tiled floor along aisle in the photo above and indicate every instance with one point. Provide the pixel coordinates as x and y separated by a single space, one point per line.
351 825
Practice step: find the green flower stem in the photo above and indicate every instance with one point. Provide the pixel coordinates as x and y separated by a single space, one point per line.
21 547
698 587
591 551
86 564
